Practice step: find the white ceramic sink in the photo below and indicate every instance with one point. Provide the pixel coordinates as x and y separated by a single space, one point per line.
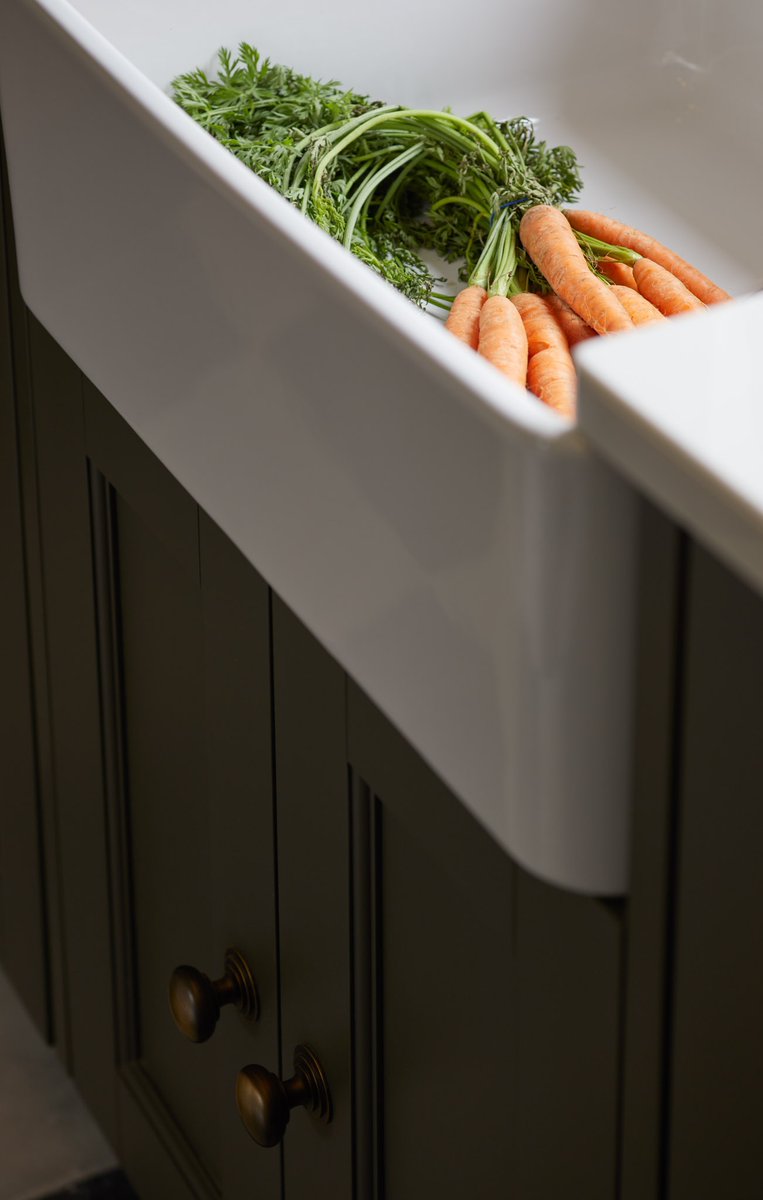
461 550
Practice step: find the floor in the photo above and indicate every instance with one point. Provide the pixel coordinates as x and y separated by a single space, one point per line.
50 1148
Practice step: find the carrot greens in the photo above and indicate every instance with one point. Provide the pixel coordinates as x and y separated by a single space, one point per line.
384 180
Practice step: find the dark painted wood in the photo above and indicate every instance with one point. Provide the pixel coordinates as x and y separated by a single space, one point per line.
148 603
169 850
238 738
159 1162
662 598
23 935
443 986
185 672
314 894
500 1004
76 814
367 998
716 1096
568 1028
27 451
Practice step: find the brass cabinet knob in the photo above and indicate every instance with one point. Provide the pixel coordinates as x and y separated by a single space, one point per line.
196 1000
265 1102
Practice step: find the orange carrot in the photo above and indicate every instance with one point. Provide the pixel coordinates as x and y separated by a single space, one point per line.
608 230
542 329
618 272
464 316
548 239
573 327
663 290
503 340
550 371
639 309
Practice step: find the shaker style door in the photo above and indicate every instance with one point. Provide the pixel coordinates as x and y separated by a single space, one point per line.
184 654
490 1002
716 1059
472 1046
23 950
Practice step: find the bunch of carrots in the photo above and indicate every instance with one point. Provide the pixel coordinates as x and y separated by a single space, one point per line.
529 336
388 181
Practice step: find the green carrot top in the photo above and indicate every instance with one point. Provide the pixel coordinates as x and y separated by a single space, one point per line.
385 180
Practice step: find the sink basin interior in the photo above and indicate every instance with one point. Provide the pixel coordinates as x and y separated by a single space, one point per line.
661 101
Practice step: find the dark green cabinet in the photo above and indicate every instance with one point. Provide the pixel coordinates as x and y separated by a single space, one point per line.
473 1045
715 1075
314 900
23 943
497 1030
184 674
155 708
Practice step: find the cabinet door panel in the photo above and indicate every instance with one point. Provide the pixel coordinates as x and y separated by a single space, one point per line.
717 1052
184 648
443 1001
568 1029
22 923
239 745
66 681
159 605
483 1005
314 914
447 1003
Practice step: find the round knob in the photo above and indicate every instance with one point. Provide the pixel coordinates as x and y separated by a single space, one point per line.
265 1102
196 1000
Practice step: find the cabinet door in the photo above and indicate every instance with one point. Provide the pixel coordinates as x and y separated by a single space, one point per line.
569 954
22 925
395 920
184 654
716 1069
473 1047
314 901
494 1000
435 997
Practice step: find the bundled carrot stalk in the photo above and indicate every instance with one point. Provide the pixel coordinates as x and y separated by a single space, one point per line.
483 316
597 287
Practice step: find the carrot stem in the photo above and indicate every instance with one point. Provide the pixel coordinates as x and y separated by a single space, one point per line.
481 275
505 263
370 185
449 125
605 250
465 200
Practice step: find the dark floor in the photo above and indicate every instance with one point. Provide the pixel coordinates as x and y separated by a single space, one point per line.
111 1186
49 1145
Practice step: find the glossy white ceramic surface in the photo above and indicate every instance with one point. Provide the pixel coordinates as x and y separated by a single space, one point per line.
457 546
696 449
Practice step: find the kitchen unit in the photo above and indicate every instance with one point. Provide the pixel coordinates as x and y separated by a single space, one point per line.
197 778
